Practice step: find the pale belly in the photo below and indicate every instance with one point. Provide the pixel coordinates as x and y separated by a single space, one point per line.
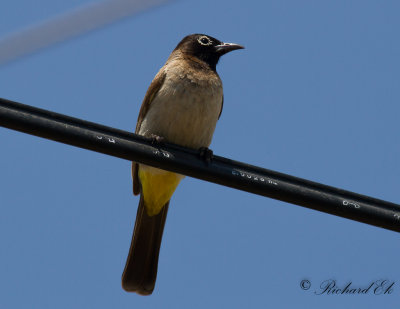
184 112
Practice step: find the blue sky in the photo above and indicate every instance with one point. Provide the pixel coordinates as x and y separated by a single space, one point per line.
315 94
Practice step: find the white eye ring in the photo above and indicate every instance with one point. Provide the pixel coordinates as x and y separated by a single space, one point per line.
209 42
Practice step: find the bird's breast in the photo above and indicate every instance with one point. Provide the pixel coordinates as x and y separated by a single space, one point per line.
186 108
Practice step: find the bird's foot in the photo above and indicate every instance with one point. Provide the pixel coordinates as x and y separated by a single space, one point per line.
206 154
156 139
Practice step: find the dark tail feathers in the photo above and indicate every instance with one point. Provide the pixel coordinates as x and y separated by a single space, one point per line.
140 271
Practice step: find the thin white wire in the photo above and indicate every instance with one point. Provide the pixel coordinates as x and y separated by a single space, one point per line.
69 25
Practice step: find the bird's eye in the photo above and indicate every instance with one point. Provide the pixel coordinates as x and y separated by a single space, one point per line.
204 40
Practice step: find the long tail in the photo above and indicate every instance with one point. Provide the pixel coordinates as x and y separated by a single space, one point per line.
140 271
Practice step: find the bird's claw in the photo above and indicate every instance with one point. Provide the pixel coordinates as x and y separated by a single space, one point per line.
206 154
156 139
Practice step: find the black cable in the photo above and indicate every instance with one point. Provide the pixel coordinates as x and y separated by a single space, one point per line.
223 171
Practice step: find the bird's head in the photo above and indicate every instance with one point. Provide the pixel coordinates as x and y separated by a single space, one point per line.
205 48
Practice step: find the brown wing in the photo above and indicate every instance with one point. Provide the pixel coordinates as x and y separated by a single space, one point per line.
222 106
148 98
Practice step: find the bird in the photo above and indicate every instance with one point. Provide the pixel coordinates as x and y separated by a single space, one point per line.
181 106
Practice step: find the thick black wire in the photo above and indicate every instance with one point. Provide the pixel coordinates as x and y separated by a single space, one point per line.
242 176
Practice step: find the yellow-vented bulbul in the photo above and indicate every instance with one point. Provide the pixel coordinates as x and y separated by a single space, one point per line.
181 106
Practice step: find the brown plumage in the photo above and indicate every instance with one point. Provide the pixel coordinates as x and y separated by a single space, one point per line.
182 106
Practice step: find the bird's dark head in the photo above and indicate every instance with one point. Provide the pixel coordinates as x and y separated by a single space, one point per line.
205 48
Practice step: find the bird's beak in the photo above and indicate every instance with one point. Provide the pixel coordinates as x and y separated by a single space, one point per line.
224 48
